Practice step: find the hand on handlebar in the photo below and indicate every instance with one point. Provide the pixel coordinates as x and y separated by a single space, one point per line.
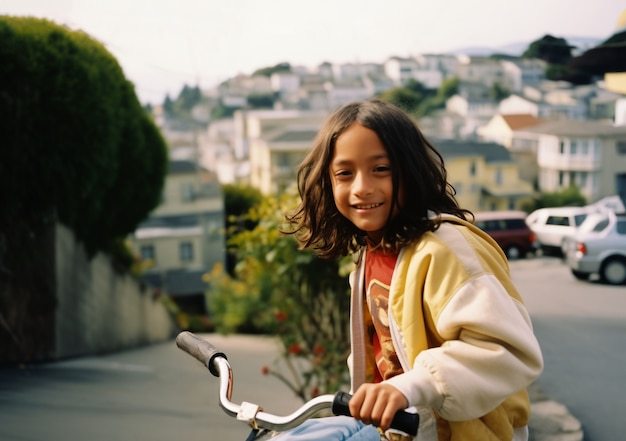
377 404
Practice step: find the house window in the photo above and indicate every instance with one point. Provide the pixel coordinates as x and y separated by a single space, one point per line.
512 205
186 251
584 148
498 177
187 192
147 252
621 147
562 147
282 159
472 170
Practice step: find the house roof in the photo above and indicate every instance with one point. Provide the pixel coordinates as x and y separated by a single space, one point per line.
490 151
604 128
289 135
518 121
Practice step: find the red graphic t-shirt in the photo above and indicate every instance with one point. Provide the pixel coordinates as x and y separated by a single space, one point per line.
379 267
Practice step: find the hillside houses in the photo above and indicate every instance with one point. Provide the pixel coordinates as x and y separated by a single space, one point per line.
259 147
507 134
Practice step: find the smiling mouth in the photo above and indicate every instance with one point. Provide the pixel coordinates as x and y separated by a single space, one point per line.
367 207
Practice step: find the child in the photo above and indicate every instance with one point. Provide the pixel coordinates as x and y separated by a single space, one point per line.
436 323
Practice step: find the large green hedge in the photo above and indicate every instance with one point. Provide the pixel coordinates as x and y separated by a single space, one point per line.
75 143
76 147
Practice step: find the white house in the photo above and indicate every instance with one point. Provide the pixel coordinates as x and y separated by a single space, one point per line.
479 69
400 70
523 72
590 155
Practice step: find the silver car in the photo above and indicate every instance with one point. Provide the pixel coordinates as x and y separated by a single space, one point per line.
599 247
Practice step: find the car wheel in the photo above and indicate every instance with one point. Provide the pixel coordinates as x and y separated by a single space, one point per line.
580 275
613 271
513 252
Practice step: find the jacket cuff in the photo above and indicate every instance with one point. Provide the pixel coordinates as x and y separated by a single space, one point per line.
418 386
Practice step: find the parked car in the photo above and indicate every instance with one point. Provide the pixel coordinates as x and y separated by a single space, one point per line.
599 247
509 230
552 225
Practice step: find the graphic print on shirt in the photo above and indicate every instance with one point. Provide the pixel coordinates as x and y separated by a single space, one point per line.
386 358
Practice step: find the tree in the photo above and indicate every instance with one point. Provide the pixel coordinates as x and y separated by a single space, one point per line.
609 56
75 142
188 98
279 290
498 92
558 54
568 197
402 97
448 88
168 106
551 49
268 71
239 199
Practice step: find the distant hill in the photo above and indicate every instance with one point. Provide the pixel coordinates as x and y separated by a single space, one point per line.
580 43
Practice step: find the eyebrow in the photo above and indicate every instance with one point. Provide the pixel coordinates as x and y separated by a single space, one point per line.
369 158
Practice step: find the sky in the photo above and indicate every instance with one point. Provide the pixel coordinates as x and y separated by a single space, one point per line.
165 44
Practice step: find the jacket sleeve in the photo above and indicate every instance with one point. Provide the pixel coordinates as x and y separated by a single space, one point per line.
489 353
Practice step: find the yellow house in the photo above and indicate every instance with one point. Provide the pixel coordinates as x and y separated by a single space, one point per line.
484 175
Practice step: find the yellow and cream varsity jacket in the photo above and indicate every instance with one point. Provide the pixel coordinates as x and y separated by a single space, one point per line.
461 332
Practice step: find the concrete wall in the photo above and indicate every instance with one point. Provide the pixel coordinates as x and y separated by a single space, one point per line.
99 310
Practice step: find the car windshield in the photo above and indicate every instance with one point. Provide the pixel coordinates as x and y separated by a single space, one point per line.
579 218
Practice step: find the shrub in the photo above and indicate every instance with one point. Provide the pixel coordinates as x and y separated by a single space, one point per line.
292 294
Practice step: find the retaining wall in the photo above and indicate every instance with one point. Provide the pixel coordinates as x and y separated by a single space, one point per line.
99 310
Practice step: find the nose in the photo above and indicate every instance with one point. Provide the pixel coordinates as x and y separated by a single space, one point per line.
362 185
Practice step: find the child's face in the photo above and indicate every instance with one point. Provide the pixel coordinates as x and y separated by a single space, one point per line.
361 176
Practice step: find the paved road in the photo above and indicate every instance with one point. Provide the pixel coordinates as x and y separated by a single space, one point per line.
582 330
160 393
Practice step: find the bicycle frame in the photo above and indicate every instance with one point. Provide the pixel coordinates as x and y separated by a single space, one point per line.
219 366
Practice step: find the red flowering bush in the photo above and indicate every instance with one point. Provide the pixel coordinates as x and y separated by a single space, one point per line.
280 290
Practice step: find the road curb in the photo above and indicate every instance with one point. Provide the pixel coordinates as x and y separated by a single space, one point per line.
552 421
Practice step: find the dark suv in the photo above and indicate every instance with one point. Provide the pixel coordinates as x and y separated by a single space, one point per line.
509 230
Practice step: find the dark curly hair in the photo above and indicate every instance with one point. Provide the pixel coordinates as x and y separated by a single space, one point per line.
417 167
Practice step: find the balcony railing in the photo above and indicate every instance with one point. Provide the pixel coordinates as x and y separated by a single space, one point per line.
569 162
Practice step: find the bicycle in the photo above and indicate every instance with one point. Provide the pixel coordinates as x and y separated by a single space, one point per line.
262 423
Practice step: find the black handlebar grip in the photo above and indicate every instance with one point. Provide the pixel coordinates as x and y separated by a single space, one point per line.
201 349
404 421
